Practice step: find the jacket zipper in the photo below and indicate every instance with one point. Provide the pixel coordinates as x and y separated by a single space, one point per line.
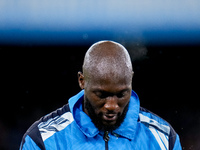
106 139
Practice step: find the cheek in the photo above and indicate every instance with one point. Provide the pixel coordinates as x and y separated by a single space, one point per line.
96 103
123 103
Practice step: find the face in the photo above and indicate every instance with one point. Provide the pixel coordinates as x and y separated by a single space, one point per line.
106 100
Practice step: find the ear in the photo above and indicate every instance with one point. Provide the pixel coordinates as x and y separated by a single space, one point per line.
132 73
81 80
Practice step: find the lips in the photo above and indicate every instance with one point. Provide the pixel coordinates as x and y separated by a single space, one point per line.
110 117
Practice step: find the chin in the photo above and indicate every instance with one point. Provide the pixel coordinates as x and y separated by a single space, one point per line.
99 121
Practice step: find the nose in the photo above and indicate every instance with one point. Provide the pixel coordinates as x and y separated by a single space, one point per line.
111 104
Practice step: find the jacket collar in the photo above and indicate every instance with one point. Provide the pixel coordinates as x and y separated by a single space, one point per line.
127 129
80 117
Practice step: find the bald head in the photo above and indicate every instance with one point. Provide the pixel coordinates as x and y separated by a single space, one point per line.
107 59
107 83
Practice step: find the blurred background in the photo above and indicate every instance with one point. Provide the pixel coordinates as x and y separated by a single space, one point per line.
42 46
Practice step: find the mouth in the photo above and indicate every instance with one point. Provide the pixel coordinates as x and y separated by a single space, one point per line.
110 117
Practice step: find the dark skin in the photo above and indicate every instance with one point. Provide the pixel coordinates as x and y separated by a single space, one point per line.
108 94
109 98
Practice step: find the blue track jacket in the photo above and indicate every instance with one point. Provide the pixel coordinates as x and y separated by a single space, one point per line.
69 128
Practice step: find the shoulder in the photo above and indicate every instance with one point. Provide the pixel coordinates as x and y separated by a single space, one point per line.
53 116
48 125
55 122
161 129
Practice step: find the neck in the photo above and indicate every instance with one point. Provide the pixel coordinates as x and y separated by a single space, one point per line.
84 109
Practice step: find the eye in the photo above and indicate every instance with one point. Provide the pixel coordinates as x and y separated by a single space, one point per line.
122 94
101 95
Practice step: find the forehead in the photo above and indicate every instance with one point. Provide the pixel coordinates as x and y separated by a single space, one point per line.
109 84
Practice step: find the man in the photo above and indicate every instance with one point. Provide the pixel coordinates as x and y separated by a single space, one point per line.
106 114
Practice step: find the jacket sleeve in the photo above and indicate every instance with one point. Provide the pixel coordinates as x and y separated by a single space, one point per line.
28 144
177 145
32 139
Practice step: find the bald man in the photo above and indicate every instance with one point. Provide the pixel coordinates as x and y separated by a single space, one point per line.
105 114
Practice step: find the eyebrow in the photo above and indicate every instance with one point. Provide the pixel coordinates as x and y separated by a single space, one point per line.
110 93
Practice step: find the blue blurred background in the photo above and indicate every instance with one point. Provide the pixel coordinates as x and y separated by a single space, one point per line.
42 45
72 22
